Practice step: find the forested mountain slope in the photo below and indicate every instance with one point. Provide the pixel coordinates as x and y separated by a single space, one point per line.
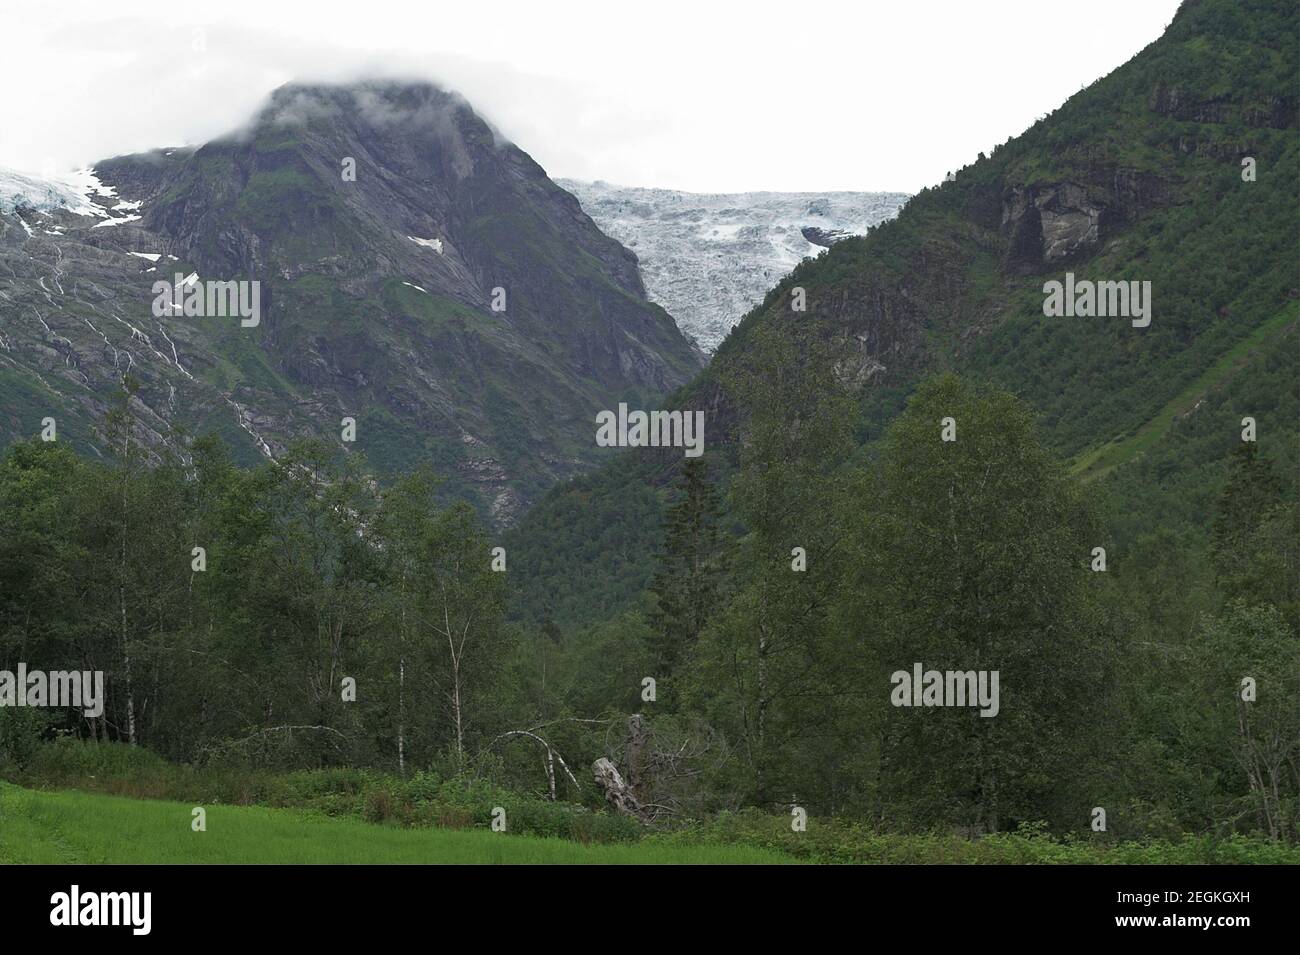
1181 169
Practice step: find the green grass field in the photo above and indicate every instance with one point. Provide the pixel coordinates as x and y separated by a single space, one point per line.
67 826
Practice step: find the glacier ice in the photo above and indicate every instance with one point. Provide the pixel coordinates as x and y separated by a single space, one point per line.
708 258
74 191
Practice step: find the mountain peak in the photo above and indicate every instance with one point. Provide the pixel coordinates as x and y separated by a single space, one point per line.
374 103
416 273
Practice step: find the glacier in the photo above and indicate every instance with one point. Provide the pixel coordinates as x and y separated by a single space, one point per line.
708 258
45 194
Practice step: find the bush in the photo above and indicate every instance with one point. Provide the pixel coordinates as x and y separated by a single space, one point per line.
460 801
467 800
21 730
835 840
69 760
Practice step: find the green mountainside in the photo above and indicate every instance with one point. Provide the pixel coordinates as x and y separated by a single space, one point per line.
1139 177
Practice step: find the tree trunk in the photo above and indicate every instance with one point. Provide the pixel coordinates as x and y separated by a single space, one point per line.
617 792
455 680
636 758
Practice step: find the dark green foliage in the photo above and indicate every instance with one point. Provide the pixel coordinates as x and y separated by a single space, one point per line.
1254 539
974 554
845 841
686 585
589 553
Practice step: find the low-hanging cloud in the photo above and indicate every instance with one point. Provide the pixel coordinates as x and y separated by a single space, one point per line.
681 95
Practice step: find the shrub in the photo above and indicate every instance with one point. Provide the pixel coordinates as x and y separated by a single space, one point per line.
68 760
21 730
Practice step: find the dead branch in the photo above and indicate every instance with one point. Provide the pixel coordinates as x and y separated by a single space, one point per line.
551 753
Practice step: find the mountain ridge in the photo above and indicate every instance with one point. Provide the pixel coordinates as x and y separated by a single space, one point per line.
377 293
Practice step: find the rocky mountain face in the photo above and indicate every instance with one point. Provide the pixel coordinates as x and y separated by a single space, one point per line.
416 273
709 258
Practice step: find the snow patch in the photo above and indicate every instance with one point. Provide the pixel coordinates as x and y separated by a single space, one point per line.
118 221
435 244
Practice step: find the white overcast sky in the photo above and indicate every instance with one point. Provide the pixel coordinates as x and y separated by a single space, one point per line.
702 95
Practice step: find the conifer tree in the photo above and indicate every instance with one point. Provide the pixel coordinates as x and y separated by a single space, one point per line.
685 585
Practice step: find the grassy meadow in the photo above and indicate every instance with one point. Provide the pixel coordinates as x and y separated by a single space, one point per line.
77 827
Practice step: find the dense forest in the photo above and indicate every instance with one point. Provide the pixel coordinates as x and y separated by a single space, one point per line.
299 615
